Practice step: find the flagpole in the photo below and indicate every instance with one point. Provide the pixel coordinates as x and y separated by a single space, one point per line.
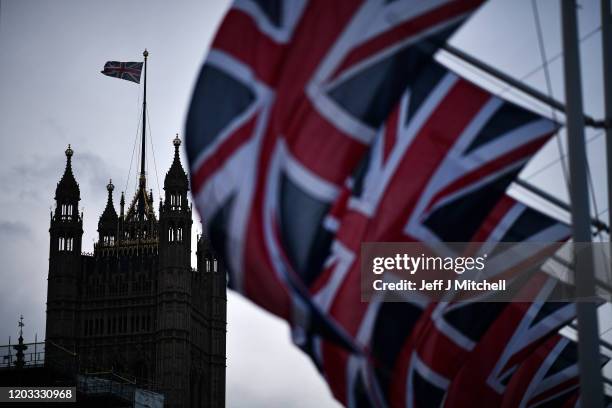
144 122
589 360
595 221
536 94
515 83
606 43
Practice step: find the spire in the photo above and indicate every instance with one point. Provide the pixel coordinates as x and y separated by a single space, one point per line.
108 219
122 204
20 347
68 188
176 178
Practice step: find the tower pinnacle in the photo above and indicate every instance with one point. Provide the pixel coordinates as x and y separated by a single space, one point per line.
67 188
176 178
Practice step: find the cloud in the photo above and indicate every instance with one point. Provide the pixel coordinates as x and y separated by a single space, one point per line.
53 128
24 269
92 173
32 178
14 229
35 177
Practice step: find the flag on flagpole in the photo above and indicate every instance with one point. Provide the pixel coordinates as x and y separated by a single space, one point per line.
130 71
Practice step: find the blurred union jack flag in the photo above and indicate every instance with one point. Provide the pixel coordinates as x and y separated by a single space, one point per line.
548 377
315 126
130 71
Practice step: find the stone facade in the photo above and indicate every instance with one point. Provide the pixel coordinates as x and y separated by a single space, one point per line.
136 306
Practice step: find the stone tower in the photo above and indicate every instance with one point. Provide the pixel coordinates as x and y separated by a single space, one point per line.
66 232
135 306
174 283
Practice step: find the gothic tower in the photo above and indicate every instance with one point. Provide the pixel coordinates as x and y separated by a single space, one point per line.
174 285
66 232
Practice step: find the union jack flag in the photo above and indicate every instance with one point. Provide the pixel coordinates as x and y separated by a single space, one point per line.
512 337
305 86
417 347
548 377
315 126
130 71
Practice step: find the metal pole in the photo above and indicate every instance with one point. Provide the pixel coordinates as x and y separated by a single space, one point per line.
606 43
513 82
144 118
545 99
591 385
595 222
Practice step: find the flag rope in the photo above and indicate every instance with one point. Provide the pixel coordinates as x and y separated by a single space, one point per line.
549 88
153 151
139 116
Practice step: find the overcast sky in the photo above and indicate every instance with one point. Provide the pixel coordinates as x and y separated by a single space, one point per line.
52 94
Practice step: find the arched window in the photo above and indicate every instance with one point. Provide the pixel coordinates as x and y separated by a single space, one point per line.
65 244
176 200
66 211
175 234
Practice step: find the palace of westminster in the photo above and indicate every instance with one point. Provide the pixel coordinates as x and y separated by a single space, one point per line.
135 305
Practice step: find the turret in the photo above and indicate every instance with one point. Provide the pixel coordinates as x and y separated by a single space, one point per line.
174 283
107 225
176 183
66 232
67 192
175 212
66 224
204 255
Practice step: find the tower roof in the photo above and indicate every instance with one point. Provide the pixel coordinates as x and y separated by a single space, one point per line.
176 178
67 186
108 219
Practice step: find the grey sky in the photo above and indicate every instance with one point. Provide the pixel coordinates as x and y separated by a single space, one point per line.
52 94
